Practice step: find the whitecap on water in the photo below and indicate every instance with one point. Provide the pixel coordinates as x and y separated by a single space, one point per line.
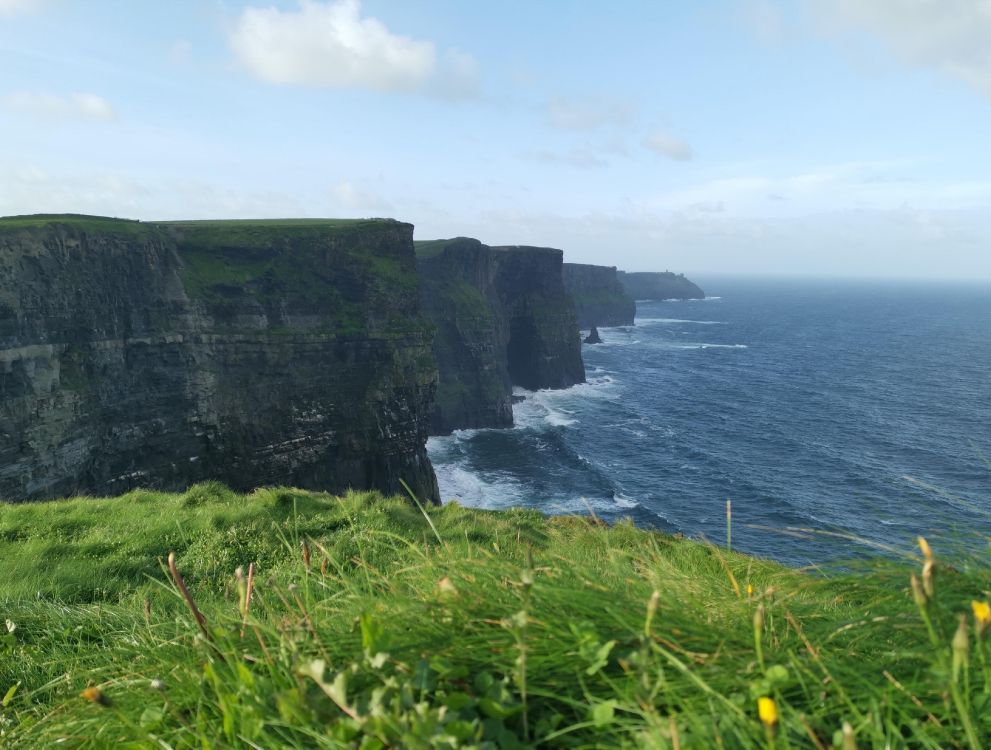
623 501
475 490
678 321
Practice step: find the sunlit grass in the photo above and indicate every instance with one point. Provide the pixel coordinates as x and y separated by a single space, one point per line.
367 627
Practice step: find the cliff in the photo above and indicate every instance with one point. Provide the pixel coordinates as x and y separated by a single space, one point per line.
458 295
659 285
599 297
544 348
254 353
503 318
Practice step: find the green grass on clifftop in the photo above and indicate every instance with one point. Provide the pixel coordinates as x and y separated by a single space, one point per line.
457 628
83 222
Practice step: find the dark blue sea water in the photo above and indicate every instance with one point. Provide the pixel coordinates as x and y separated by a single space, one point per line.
852 408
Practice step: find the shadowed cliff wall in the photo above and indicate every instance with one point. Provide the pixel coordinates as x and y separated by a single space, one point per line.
503 318
599 297
255 353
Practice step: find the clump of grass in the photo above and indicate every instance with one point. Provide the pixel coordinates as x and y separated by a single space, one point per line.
372 623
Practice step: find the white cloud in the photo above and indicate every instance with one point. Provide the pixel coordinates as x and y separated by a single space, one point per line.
29 188
883 243
951 36
664 144
79 105
331 45
13 6
570 114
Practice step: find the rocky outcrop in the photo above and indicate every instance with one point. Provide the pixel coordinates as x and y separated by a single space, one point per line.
254 353
503 318
659 285
599 297
593 336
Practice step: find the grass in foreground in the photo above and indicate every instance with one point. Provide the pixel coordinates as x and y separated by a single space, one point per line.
371 625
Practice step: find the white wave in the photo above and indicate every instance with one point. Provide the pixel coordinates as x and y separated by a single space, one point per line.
475 490
559 420
675 321
624 501
678 299
669 345
534 409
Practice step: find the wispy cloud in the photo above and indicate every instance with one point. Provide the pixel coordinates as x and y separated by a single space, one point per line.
77 105
587 114
665 144
14 6
950 36
332 45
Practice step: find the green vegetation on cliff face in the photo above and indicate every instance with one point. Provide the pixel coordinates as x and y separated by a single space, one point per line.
600 299
372 624
256 352
659 285
502 317
456 294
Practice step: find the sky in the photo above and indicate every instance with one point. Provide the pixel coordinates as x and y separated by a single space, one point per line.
790 137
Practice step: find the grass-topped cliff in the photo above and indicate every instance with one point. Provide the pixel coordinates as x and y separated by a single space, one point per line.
289 351
371 624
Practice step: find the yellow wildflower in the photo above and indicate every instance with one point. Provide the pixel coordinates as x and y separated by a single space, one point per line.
926 551
767 709
982 615
750 590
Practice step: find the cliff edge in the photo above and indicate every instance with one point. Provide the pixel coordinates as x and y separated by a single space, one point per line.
503 318
251 352
659 285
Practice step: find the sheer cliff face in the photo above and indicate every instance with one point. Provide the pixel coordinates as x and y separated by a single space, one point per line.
457 288
256 353
659 285
544 348
502 318
600 299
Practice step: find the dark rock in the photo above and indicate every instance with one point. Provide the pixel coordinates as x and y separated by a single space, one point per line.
503 318
543 350
600 299
254 353
659 285
593 336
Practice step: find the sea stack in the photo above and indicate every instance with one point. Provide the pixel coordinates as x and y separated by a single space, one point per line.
593 336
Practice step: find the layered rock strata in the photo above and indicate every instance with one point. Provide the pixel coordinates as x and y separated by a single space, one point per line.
254 353
503 318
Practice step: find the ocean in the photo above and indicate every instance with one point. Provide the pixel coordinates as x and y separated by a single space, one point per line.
841 418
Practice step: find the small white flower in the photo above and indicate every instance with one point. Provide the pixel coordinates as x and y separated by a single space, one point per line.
11 627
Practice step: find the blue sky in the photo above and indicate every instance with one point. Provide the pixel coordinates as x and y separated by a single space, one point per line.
829 137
